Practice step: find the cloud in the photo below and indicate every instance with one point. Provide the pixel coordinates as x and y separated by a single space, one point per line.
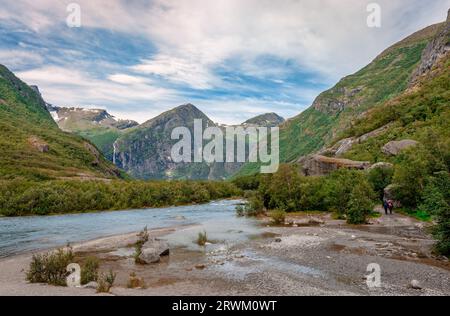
234 58
20 58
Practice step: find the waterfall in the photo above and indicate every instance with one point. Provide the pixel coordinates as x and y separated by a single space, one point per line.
114 152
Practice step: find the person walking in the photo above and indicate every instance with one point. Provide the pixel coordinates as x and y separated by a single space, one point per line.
385 206
390 206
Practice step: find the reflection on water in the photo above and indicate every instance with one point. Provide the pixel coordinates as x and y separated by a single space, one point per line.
20 234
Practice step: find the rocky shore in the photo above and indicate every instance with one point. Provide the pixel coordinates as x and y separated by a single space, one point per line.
313 255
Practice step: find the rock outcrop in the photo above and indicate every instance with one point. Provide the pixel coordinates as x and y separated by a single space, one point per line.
434 52
265 120
346 144
317 165
395 147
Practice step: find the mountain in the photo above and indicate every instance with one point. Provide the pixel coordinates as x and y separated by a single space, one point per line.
420 114
96 125
336 110
267 119
145 151
31 144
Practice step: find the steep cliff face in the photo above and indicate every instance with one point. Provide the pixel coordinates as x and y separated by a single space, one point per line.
437 49
33 146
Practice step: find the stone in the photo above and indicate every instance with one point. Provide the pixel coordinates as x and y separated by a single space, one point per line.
395 147
317 165
149 255
415 285
91 285
161 247
200 266
277 239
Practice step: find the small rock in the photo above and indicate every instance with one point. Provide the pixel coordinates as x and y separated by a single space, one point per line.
200 266
91 285
353 236
415 285
277 239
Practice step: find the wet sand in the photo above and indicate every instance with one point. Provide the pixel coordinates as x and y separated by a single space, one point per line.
315 255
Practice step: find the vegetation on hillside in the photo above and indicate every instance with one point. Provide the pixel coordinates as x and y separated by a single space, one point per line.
24 117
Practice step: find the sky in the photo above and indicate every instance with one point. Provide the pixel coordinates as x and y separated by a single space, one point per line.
233 59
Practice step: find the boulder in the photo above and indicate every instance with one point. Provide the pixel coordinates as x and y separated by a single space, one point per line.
395 147
149 255
317 165
153 250
415 285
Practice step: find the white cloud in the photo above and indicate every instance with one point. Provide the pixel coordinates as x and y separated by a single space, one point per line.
18 58
194 38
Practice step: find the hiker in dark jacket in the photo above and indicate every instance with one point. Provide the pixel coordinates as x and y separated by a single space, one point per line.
385 206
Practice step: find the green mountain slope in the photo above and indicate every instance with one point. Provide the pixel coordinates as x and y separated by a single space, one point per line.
335 110
31 144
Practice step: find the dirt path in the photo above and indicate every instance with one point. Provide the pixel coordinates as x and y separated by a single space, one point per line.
315 256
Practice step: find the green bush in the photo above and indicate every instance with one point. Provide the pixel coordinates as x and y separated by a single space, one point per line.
50 268
89 270
360 204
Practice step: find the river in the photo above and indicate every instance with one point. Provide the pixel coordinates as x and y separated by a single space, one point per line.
24 234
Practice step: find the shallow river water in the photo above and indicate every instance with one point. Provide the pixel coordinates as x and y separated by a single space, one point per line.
22 234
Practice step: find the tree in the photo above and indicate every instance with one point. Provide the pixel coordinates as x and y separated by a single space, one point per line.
360 204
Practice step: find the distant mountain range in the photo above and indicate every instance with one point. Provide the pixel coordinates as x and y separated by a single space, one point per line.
143 150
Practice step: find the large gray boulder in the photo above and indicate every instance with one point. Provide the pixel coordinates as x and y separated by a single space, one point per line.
317 165
153 250
395 147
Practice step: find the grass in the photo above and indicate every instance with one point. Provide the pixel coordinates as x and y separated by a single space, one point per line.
417 214
202 238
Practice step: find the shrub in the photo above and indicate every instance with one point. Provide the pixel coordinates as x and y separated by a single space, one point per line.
360 204
89 271
106 282
202 239
410 176
278 216
135 282
240 210
254 206
50 268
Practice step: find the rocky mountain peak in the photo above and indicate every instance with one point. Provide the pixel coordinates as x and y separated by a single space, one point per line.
267 119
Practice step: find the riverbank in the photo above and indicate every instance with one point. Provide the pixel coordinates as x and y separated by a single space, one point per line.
316 255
